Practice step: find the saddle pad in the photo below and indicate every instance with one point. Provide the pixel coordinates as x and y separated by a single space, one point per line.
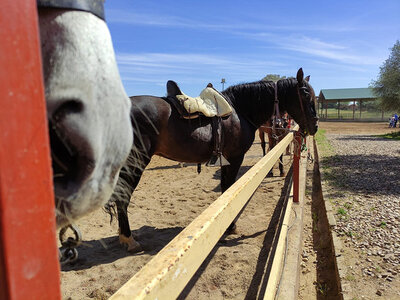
210 103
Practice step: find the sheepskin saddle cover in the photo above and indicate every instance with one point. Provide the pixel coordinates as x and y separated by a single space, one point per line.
209 103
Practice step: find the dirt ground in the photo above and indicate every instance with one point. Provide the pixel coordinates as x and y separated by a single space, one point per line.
314 282
317 269
357 127
167 199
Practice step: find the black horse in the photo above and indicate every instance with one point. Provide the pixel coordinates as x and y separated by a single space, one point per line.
159 129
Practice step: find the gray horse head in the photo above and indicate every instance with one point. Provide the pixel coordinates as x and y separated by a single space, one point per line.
87 108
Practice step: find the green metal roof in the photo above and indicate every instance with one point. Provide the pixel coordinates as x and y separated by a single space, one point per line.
350 94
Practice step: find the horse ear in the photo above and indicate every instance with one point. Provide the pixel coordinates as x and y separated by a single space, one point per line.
173 89
307 78
300 76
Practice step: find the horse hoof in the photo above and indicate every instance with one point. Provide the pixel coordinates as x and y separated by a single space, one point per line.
270 175
283 174
135 249
132 245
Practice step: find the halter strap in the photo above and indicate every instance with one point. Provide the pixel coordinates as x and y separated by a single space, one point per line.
301 102
95 7
276 113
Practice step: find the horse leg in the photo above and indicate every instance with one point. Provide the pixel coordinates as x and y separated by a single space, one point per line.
262 138
228 177
127 183
271 144
288 150
125 234
282 172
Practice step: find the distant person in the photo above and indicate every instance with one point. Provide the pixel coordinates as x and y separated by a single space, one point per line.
391 122
396 118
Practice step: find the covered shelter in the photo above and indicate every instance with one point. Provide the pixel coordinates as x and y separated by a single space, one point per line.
353 97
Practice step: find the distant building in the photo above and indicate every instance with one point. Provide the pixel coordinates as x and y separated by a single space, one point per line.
354 99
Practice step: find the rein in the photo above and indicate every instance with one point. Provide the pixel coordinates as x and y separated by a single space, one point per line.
96 7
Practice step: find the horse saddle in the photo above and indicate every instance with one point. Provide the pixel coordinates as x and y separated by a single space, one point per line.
209 103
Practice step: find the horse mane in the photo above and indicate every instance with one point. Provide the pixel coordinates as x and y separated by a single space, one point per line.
248 98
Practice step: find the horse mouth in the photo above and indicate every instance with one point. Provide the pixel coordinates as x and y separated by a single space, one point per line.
309 128
72 161
313 126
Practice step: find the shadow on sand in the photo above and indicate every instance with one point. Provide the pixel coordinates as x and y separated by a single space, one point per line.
103 251
372 174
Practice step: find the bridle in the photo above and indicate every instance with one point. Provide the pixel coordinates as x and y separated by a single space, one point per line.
96 7
276 115
305 90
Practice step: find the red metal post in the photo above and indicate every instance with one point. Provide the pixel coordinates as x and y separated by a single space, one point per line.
296 166
29 267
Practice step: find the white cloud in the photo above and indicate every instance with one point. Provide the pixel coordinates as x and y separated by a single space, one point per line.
345 54
159 65
219 23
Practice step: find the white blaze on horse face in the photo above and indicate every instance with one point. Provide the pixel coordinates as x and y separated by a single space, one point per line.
87 103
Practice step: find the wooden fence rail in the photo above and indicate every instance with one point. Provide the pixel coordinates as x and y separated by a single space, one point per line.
167 274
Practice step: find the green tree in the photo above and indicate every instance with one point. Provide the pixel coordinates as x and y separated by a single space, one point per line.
273 77
387 86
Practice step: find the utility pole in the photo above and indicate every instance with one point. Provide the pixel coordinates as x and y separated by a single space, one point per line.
223 82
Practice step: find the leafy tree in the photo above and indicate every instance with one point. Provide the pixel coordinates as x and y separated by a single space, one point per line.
273 77
387 86
371 106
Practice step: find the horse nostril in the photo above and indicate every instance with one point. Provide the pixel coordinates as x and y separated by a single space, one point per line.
67 107
73 159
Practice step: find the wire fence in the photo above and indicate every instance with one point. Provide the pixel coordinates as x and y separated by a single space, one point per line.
349 112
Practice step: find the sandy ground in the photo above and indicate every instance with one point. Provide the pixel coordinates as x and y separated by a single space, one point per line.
167 199
357 127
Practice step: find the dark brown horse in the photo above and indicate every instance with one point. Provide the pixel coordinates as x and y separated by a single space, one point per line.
281 130
159 129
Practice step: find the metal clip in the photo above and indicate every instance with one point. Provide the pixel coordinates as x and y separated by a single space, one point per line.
69 253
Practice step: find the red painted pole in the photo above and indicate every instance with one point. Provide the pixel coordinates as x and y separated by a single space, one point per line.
296 166
29 267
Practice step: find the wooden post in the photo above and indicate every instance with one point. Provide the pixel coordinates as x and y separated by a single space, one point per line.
29 267
360 108
354 109
326 110
296 166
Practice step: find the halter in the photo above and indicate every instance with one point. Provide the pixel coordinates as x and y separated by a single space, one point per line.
95 7
301 102
276 115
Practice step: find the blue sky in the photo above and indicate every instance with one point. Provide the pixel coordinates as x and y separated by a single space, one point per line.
341 44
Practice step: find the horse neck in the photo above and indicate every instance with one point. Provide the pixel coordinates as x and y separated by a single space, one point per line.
287 91
255 101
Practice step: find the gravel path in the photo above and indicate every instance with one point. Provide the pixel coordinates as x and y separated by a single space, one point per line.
363 174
